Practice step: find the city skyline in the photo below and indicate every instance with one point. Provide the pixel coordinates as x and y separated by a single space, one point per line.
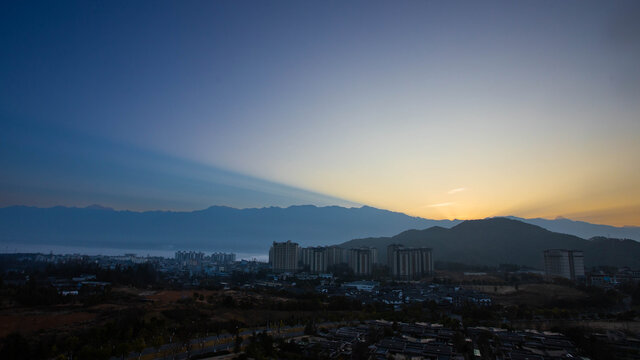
438 110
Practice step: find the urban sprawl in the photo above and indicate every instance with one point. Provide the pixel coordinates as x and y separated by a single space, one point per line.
402 281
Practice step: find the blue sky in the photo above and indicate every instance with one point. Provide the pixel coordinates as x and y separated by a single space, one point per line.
53 167
530 107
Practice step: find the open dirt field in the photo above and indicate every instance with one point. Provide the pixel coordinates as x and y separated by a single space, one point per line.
25 322
63 318
530 294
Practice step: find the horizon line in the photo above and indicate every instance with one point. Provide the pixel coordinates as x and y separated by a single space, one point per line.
108 208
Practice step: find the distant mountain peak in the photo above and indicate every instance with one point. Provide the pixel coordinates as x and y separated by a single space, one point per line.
492 221
496 241
307 206
219 207
99 207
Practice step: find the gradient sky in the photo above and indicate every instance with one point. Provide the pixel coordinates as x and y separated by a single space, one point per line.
436 109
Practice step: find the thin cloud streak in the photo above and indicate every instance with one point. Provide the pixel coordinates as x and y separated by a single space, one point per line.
441 204
457 190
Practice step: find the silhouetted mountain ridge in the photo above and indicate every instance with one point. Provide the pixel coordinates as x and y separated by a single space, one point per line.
214 228
497 241
584 229
489 241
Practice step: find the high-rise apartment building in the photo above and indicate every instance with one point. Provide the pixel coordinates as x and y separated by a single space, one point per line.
335 256
283 256
320 259
568 264
191 258
409 263
304 256
361 260
223 258
315 258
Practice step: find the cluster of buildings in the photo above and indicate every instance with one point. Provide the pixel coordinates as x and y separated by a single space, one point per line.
181 269
521 344
189 257
223 258
189 268
569 264
370 292
613 277
104 261
419 340
194 258
404 262
83 284
381 339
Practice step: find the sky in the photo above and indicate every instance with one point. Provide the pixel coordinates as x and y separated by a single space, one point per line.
435 109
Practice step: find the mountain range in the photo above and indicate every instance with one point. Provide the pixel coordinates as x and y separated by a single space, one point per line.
214 228
505 241
584 229
498 240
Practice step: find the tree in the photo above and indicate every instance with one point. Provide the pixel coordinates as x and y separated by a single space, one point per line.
310 328
14 346
238 344
138 345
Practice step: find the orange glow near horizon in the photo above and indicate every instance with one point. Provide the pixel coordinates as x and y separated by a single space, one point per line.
597 184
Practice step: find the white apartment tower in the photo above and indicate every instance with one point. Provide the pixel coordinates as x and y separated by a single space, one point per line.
568 264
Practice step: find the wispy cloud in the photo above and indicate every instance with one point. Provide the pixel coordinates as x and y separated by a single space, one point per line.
457 190
441 204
